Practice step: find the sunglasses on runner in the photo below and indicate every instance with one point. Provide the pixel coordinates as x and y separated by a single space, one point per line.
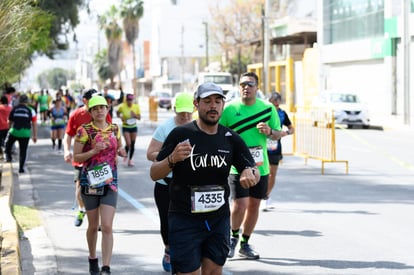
248 83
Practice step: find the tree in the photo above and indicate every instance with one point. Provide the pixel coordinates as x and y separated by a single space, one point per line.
131 12
113 34
66 18
236 26
102 64
55 78
33 26
24 29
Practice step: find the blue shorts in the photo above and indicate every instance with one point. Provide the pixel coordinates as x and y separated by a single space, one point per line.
57 127
258 191
193 238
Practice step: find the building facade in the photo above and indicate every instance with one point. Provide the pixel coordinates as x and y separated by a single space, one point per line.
361 51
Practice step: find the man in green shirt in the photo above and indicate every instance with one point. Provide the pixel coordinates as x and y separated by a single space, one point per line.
254 120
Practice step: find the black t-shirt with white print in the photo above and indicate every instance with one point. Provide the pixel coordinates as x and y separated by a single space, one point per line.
199 183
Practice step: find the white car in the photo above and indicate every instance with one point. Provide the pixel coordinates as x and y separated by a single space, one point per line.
347 107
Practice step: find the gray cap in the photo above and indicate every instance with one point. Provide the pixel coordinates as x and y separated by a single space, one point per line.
207 89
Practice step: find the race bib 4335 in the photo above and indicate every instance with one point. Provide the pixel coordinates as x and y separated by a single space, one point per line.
206 198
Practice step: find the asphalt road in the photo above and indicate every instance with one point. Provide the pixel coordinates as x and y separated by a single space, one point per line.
337 223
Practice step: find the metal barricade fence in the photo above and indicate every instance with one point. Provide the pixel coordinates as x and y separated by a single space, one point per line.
315 135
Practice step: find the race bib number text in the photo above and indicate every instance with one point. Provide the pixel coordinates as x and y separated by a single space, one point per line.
257 154
206 198
99 174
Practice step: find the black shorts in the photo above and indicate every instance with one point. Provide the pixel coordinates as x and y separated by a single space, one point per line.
237 191
274 158
93 202
129 130
192 238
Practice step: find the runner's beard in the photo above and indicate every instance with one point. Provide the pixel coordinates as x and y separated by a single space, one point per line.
208 121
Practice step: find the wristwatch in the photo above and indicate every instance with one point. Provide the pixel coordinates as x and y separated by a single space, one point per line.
253 169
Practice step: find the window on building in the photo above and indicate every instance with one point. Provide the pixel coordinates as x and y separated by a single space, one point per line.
346 20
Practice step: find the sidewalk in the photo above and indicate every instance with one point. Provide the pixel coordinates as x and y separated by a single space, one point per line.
14 186
10 249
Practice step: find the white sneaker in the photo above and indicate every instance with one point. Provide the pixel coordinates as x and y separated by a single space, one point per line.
268 205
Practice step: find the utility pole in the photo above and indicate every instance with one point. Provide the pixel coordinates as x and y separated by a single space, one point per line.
206 30
405 43
265 24
182 63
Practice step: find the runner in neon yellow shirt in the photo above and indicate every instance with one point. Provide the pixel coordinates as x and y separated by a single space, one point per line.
129 112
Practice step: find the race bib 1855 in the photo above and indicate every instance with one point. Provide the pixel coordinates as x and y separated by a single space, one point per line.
99 174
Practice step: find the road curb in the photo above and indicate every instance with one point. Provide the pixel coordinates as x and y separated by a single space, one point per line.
10 246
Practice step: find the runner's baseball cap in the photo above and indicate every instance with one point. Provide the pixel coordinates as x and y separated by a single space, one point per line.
184 103
207 89
97 100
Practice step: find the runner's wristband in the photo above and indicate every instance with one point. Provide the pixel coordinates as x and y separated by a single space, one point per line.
170 163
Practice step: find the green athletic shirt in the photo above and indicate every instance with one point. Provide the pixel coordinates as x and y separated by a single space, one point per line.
243 119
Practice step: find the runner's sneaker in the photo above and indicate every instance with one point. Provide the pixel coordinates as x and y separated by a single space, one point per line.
268 205
105 270
247 252
130 163
166 264
233 244
79 218
93 266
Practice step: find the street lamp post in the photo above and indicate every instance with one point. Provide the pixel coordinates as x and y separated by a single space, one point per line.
206 34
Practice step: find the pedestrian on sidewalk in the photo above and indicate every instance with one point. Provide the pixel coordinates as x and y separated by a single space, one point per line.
183 108
200 155
78 117
22 123
97 145
254 120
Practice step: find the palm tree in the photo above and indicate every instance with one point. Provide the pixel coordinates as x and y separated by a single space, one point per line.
131 12
113 34
102 64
